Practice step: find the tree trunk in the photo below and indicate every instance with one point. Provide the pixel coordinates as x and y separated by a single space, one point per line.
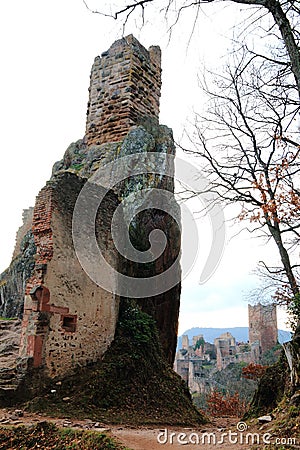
281 20
292 348
286 31
285 259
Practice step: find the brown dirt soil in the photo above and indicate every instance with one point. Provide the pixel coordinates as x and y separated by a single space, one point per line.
146 438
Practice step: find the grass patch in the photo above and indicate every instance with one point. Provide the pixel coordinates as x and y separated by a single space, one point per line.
8 318
46 436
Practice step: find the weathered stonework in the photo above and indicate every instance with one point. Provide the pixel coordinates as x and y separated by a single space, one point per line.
263 330
225 349
85 160
68 320
124 89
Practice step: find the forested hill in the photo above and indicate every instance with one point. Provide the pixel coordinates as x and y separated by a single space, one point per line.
240 334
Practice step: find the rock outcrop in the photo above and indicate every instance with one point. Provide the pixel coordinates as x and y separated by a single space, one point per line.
72 327
9 350
85 160
13 280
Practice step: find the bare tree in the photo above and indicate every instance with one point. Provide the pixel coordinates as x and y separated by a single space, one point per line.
248 139
285 14
249 146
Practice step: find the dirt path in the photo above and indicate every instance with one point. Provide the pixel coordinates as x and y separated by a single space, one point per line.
225 433
215 435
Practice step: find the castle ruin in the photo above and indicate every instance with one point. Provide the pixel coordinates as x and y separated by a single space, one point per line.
263 332
68 321
191 360
124 90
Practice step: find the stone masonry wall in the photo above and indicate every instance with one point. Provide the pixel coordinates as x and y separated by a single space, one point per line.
124 90
263 326
33 334
68 321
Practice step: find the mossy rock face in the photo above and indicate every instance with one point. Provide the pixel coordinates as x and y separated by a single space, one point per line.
13 280
133 384
271 388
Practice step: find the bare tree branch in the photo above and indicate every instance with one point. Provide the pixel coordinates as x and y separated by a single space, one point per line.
128 8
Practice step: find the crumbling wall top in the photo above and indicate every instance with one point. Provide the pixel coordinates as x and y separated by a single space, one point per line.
124 89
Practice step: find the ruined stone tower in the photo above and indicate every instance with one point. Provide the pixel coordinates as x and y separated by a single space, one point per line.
99 348
262 328
185 342
124 89
68 320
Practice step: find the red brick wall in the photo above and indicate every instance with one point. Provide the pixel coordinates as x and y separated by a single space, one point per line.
41 228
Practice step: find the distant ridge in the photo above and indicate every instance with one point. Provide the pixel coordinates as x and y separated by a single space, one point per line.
240 334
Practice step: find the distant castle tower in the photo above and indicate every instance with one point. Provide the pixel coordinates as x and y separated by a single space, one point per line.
185 342
263 333
124 90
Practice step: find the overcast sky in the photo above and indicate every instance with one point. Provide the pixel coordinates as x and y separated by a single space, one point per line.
48 48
